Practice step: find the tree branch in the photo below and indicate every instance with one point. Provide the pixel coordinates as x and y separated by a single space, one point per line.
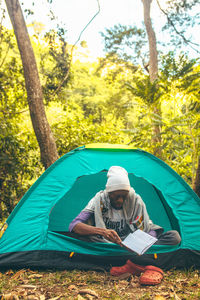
175 29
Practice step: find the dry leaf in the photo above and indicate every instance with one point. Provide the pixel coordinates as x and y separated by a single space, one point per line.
89 297
9 296
10 272
35 276
18 274
165 294
42 297
55 298
81 284
28 286
72 287
134 284
80 297
159 297
90 292
22 292
121 277
176 297
32 297
123 283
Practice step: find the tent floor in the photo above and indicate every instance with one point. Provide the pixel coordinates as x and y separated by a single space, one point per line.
60 260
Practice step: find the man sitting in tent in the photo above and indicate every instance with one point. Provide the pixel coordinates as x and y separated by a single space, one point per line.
115 212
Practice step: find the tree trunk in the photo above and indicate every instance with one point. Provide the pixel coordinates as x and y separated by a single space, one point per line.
48 150
196 186
153 73
153 54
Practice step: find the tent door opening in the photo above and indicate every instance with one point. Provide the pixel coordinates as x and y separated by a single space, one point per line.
85 187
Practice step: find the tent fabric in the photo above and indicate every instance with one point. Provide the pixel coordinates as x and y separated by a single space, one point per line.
67 186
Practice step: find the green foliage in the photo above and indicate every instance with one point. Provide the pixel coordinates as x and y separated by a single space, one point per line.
178 94
125 43
143 88
175 68
17 146
16 164
182 18
72 130
97 93
111 100
54 64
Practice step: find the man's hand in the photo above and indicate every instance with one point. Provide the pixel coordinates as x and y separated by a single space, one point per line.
111 235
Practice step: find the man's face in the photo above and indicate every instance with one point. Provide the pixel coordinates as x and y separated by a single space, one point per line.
117 198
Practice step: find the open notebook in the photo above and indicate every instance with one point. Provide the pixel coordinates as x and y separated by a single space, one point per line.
139 241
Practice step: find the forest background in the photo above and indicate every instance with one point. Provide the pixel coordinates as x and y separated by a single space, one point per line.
110 99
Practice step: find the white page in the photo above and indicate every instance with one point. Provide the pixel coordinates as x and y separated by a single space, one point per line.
139 241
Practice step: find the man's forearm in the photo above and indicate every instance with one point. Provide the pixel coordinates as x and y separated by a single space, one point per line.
83 217
109 234
84 229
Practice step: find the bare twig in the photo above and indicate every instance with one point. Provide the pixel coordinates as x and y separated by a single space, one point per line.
1 23
13 113
4 58
72 49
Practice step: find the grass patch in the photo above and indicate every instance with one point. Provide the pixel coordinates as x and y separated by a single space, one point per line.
80 285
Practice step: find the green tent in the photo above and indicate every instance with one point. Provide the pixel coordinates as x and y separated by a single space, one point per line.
35 236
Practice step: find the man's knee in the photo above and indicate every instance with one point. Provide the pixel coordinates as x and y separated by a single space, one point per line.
171 237
175 237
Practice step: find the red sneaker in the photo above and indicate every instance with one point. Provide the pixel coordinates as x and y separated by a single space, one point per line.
127 269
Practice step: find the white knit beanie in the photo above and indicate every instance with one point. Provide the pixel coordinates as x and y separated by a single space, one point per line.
117 179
